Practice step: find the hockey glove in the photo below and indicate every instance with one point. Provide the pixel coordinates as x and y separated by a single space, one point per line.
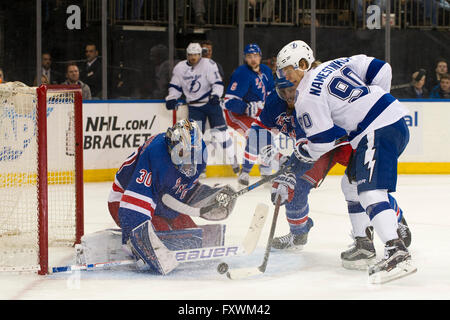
214 100
254 108
301 153
284 187
171 104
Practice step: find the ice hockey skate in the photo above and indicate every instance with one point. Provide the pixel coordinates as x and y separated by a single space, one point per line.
395 265
404 232
244 178
290 241
361 253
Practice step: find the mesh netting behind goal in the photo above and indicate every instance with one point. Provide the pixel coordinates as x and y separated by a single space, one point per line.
40 173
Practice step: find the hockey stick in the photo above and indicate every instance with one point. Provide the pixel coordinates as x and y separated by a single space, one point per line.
224 201
221 199
192 255
242 273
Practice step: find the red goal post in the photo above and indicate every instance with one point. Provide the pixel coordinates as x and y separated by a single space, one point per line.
41 173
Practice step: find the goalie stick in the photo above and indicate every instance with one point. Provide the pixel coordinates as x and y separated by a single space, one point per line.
241 273
192 255
221 199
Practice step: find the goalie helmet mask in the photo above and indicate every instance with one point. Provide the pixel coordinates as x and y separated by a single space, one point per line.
291 55
184 144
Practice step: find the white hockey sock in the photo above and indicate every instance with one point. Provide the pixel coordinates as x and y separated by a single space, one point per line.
385 225
360 221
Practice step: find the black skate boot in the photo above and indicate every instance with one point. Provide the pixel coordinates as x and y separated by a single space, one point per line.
361 253
235 166
404 232
292 241
244 178
396 263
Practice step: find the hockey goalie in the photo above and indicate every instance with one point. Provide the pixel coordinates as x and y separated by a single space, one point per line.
154 195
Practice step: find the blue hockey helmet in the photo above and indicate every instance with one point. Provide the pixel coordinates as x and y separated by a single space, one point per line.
285 89
184 143
252 48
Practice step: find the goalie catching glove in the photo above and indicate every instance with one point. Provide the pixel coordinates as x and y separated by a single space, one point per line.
205 195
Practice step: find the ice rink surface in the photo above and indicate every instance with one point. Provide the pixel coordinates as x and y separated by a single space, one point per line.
313 273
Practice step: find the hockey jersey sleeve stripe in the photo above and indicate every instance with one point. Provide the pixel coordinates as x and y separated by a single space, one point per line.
326 136
260 124
171 85
116 188
250 157
219 83
207 94
373 113
138 205
373 69
232 96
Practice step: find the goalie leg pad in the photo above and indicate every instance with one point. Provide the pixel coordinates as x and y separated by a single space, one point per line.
181 239
148 248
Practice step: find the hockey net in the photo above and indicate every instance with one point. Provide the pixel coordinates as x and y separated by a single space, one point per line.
41 173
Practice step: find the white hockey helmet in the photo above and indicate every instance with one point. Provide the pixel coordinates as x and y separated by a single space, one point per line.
194 48
292 53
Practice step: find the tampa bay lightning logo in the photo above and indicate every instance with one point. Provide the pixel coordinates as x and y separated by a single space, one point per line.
195 84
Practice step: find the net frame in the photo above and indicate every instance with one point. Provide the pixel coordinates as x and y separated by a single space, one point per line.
42 95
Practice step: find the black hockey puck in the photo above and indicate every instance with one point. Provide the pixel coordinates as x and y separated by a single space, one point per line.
222 268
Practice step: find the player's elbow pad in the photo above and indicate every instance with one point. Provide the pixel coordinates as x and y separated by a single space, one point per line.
236 106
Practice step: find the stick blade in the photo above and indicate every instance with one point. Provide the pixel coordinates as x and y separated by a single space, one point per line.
243 273
256 226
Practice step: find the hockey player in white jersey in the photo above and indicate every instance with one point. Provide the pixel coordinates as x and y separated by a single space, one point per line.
200 81
353 93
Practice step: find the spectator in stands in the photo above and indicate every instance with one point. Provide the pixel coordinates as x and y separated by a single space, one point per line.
442 90
435 76
207 51
2 76
44 79
53 76
73 77
199 10
417 89
91 71
159 58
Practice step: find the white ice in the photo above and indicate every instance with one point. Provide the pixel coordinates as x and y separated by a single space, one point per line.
314 273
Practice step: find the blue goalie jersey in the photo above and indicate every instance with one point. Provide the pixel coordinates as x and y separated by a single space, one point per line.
144 178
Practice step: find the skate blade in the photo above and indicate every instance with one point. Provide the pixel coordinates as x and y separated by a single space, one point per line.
401 270
290 249
361 265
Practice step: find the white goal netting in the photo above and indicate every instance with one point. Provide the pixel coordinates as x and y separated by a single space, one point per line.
19 191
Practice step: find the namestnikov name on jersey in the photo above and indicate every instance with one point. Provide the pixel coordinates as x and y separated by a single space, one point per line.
350 92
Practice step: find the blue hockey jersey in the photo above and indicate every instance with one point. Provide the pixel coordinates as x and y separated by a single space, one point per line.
246 86
144 178
274 116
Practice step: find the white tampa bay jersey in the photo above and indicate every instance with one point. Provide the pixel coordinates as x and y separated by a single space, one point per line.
352 93
196 83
